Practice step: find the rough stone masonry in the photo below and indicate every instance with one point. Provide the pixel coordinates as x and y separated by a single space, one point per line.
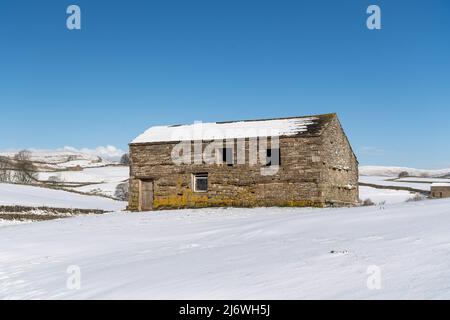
317 167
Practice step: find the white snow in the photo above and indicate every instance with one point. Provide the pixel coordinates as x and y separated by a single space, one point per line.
90 175
441 185
226 130
62 158
108 152
271 253
11 194
388 177
395 171
104 189
424 180
4 223
382 181
102 180
383 195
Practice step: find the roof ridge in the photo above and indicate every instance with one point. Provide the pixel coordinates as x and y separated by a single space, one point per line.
331 115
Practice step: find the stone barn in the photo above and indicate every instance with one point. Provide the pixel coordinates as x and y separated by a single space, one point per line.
292 162
440 190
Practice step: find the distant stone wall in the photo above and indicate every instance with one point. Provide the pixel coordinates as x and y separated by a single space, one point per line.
24 213
440 192
308 176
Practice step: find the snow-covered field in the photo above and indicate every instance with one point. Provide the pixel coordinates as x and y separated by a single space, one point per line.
386 177
4 223
88 171
384 181
90 175
270 253
423 180
382 195
102 180
11 194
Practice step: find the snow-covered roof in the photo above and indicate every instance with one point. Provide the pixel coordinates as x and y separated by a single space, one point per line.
441 185
235 129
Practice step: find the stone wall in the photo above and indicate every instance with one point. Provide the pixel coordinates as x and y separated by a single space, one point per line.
440 192
340 167
305 178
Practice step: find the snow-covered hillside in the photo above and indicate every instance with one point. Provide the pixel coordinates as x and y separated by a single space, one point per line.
102 180
417 180
87 171
69 157
270 253
395 171
11 194
90 175
384 181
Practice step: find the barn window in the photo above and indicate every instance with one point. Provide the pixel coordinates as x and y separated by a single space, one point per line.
273 157
227 156
200 182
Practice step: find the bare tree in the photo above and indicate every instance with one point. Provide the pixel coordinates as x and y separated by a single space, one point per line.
122 191
23 155
25 170
5 170
403 174
125 159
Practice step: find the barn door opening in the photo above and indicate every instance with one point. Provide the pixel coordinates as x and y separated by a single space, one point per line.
146 196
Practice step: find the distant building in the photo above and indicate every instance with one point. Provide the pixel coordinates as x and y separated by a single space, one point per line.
440 190
302 161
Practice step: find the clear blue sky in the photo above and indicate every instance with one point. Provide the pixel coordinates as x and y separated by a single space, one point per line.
139 63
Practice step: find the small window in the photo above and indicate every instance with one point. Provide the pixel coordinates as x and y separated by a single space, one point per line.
227 156
273 157
200 182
